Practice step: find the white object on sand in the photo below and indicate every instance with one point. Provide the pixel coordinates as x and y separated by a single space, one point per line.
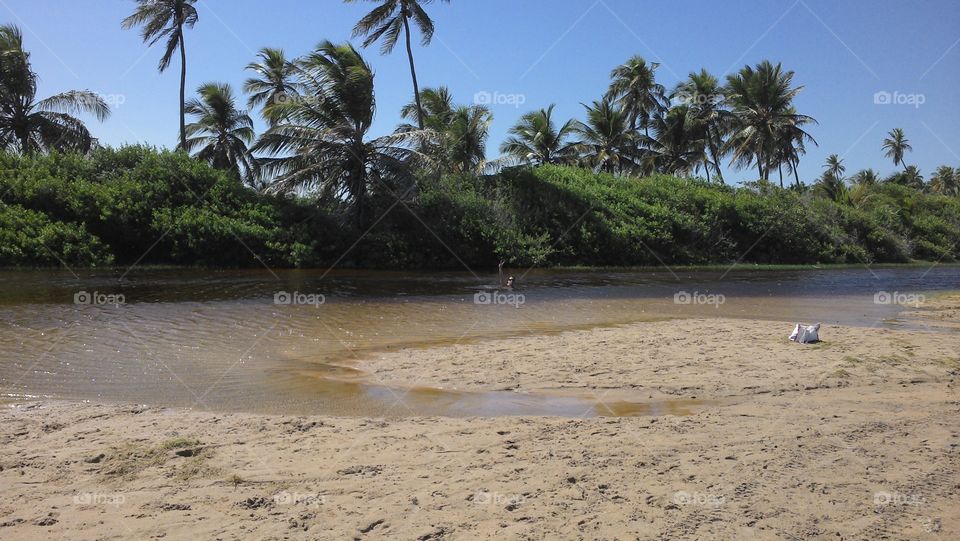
805 334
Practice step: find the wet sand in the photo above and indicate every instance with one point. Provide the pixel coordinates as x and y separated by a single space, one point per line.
854 438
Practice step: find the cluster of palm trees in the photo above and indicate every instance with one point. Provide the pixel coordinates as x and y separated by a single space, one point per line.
319 109
638 128
856 190
29 125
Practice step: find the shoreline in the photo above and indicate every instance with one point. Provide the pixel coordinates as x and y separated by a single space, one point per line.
802 451
760 267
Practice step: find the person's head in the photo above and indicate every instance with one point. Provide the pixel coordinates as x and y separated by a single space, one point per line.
510 281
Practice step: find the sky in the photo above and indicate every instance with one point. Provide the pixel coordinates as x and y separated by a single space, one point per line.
527 54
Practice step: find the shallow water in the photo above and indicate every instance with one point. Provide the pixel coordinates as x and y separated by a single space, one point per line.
217 340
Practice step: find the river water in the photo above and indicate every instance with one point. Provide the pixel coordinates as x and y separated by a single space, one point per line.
284 341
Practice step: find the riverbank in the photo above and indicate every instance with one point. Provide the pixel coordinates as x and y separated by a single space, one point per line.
855 438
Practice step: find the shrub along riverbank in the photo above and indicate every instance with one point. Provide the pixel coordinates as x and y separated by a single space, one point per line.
138 205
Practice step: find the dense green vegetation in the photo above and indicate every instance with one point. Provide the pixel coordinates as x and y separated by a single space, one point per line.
139 205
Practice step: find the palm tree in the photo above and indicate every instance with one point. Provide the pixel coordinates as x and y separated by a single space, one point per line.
320 143
704 95
634 88
866 177
790 144
462 131
29 126
831 187
896 145
435 105
677 147
761 99
275 82
164 20
388 21
607 141
536 139
912 177
221 133
835 167
945 181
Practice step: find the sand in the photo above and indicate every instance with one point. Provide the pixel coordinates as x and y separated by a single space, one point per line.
854 438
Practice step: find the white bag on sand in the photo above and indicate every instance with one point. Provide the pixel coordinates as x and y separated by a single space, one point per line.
805 334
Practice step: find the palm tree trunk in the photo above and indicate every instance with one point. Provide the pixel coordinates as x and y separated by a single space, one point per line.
780 171
183 92
716 161
796 174
413 69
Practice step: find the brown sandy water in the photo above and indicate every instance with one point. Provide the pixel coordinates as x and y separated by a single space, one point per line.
220 341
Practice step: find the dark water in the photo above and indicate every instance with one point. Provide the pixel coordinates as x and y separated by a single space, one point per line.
219 340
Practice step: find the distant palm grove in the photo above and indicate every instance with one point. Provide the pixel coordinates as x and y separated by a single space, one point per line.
637 181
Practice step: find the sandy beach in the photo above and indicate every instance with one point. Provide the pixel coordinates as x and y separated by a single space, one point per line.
857 437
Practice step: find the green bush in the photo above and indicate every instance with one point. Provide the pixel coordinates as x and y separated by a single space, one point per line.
137 204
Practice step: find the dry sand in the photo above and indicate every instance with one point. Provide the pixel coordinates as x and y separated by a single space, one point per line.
854 438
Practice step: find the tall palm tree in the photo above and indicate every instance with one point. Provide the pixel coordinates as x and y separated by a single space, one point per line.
761 99
29 126
275 82
165 20
388 21
704 95
536 139
835 167
321 143
221 133
945 181
895 146
607 141
634 88
461 131
678 144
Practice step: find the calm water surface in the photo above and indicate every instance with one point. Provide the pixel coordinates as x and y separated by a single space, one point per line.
218 340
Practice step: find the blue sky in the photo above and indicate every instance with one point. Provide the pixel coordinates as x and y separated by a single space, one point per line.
543 52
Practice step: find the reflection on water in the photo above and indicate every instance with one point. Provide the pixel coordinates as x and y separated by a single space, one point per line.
217 340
